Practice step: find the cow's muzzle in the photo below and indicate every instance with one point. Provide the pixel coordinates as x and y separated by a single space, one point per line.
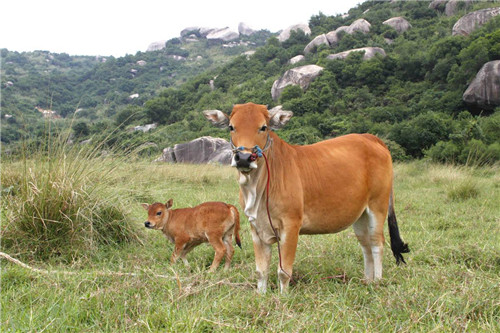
147 224
245 161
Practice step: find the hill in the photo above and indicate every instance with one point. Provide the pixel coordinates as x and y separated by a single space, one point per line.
410 93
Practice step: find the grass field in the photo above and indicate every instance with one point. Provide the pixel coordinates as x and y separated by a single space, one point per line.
449 215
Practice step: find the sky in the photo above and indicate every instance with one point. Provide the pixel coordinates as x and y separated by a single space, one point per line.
117 28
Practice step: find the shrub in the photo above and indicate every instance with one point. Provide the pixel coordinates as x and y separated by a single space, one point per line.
57 206
446 152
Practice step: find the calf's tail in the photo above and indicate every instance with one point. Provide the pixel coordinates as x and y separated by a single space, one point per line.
397 245
236 216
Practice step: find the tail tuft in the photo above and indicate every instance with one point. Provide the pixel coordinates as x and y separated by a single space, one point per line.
236 225
397 250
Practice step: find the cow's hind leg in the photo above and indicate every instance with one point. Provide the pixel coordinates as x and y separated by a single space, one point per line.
369 230
220 250
362 230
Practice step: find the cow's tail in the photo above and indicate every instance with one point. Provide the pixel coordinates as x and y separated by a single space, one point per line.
397 245
236 219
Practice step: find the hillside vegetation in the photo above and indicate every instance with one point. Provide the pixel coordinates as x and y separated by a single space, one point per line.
412 97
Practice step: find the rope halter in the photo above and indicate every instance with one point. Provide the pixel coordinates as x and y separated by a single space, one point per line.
256 150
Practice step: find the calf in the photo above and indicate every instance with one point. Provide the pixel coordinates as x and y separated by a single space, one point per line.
213 222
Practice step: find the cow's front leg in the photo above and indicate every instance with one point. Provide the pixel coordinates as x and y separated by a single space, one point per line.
262 260
288 247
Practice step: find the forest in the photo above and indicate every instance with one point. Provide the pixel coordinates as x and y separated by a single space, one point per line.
411 98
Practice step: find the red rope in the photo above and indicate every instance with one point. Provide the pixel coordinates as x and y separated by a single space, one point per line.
269 215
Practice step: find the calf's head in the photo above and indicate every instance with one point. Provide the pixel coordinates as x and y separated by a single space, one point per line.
158 214
249 125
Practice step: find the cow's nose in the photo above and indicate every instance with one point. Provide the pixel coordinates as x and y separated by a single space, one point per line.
147 224
243 160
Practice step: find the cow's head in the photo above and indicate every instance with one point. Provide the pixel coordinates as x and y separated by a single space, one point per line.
158 214
249 125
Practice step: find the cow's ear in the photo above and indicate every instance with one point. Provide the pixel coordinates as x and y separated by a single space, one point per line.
169 203
145 206
217 118
279 117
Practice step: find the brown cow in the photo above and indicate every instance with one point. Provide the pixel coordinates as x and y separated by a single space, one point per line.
213 222
314 189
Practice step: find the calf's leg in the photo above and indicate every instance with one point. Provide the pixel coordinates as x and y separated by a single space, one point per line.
229 249
220 251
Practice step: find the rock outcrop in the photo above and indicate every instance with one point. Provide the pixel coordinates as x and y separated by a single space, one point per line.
155 46
370 52
400 24
285 34
317 41
245 30
224 35
302 76
449 7
360 25
470 22
484 90
333 37
297 59
199 151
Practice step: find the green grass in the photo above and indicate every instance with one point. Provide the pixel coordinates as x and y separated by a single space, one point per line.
451 282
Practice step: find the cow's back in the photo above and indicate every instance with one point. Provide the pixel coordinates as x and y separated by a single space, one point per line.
208 216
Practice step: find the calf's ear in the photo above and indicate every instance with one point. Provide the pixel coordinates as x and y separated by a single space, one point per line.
145 206
279 117
169 203
217 118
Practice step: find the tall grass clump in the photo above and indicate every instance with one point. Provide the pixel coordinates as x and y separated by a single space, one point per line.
56 201
465 189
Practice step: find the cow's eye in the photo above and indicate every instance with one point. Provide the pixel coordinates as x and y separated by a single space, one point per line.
263 128
231 128
158 213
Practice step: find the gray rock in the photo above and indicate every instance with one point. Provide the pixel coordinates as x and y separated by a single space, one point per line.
370 52
452 6
296 59
155 46
224 35
399 23
484 90
302 76
189 30
470 22
145 128
332 37
360 25
199 151
204 31
317 41
285 34
245 30
437 4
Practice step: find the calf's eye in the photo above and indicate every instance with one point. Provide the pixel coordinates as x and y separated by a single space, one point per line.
231 128
158 213
263 128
